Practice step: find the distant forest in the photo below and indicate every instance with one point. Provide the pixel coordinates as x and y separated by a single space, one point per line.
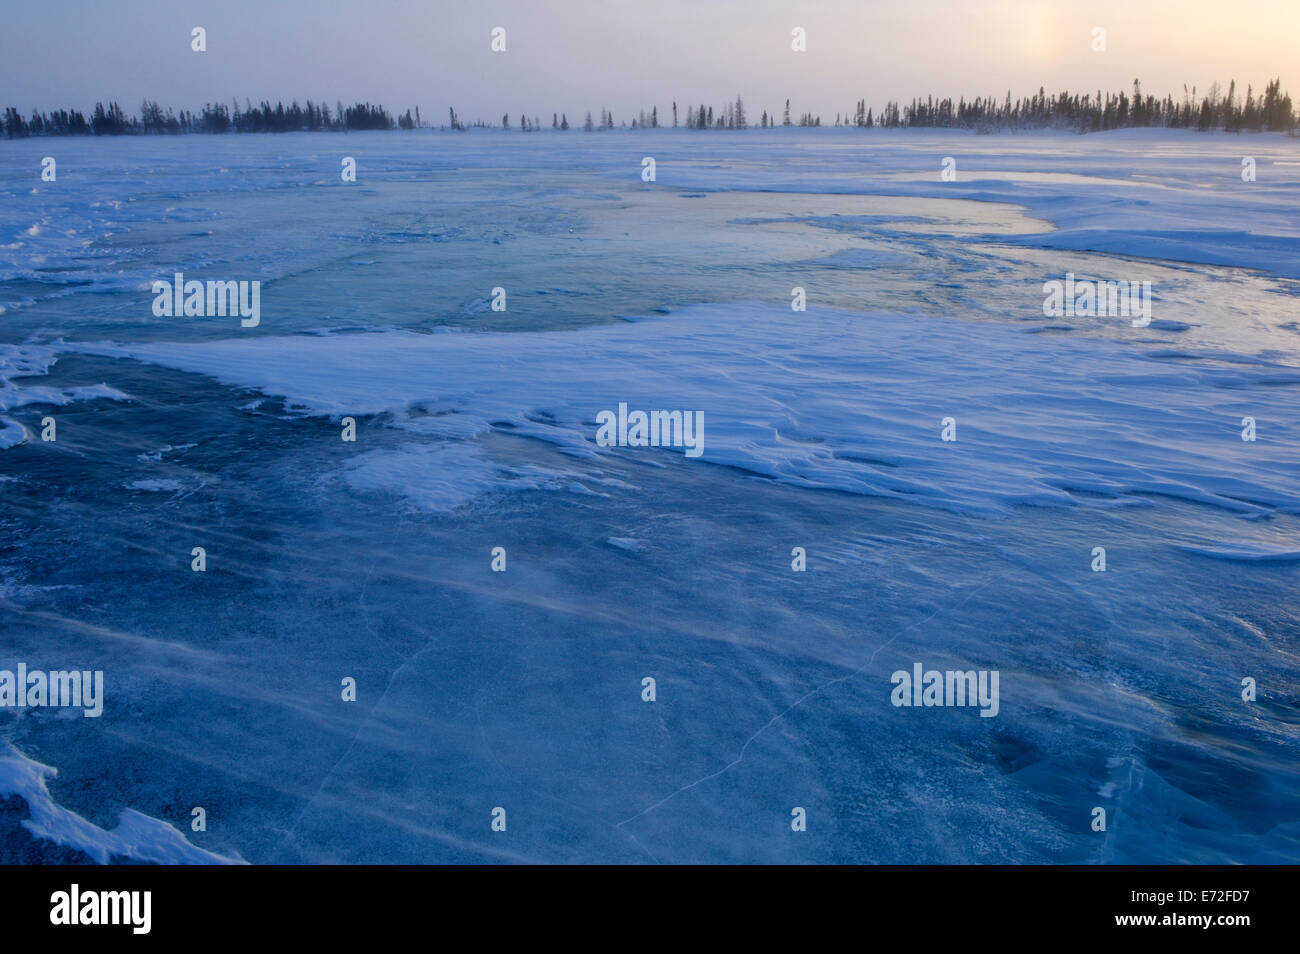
1231 112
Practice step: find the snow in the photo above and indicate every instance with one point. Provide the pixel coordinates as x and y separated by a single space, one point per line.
137 838
22 361
155 484
824 399
11 433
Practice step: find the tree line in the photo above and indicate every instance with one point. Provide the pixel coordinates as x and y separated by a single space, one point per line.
112 120
1230 111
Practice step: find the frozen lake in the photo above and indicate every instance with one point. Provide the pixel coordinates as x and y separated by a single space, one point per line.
823 429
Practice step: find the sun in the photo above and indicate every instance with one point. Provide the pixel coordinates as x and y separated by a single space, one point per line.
1044 39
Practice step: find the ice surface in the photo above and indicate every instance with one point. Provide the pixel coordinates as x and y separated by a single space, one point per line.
822 430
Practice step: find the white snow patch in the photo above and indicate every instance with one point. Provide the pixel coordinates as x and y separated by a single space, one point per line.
154 484
11 433
442 476
630 544
137 837
834 400
21 361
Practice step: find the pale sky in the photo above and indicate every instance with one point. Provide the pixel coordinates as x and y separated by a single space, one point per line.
578 55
